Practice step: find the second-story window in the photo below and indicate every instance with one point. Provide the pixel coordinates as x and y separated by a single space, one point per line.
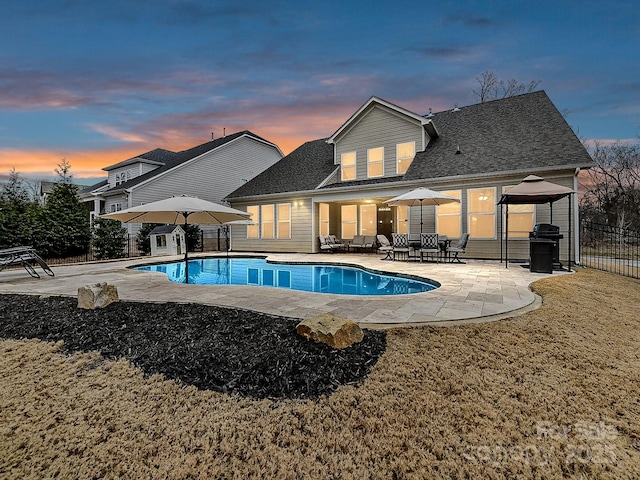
375 162
348 166
404 155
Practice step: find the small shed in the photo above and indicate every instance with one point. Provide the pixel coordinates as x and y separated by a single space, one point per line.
167 240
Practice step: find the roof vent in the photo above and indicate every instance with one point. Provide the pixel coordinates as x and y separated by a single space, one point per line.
224 132
430 114
458 152
455 108
212 136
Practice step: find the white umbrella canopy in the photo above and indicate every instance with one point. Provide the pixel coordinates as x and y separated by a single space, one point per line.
422 196
180 210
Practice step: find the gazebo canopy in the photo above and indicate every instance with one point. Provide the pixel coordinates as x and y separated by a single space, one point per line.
534 189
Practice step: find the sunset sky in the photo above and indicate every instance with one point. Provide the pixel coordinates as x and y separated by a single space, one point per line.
97 82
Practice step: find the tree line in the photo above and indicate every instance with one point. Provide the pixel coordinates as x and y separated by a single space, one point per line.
61 226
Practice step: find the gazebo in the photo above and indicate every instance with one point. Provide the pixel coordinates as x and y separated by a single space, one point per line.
534 190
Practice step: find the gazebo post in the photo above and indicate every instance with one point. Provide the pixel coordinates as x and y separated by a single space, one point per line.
506 240
570 198
501 230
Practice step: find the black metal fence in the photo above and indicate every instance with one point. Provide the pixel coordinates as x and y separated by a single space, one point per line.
609 248
209 242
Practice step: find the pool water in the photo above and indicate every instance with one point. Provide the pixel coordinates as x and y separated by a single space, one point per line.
306 277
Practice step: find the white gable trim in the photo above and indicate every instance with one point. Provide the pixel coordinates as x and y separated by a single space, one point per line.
356 117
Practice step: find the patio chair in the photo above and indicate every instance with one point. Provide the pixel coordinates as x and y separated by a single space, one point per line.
400 245
357 243
24 256
429 245
363 242
337 244
458 248
384 246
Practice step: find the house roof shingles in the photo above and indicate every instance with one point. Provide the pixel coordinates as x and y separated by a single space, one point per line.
171 161
303 169
521 133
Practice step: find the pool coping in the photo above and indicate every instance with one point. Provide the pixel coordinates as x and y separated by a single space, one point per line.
477 291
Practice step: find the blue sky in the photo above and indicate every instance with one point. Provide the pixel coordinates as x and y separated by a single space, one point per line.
98 82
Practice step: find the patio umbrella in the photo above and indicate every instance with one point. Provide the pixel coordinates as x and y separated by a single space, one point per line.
180 210
422 196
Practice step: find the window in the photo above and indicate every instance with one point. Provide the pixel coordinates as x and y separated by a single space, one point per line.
404 156
449 216
348 166
284 220
349 221
375 162
252 230
116 207
521 218
123 177
368 220
267 221
324 219
402 219
481 206
161 241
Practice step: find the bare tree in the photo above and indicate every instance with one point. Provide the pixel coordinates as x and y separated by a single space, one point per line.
612 187
492 88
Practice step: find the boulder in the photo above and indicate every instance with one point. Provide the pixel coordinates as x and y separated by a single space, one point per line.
334 331
97 295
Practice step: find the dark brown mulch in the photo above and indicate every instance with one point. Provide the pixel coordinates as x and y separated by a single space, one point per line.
215 348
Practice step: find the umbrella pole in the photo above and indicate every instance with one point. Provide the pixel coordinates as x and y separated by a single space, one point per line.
421 219
186 250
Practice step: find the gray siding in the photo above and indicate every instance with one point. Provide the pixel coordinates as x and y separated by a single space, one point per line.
211 176
378 128
301 230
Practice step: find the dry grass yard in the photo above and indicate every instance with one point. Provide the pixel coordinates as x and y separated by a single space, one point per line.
554 393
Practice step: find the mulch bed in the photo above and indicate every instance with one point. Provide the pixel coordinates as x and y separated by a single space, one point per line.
213 348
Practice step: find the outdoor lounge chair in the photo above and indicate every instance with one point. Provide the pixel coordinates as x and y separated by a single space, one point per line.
361 242
385 246
458 248
400 245
429 245
24 256
330 243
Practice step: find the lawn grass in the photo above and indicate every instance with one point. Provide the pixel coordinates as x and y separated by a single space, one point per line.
554 393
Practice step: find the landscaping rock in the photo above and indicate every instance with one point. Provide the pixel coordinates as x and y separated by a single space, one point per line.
334 331
97 295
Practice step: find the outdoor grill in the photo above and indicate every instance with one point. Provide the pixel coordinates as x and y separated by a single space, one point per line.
546 233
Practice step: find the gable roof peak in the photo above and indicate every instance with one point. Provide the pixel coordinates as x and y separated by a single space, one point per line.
373 100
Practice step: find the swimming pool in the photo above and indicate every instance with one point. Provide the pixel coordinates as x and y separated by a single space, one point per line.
320 278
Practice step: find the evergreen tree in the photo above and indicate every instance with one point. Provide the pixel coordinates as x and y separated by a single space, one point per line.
63 229
109 239
193 236
142 239
17 213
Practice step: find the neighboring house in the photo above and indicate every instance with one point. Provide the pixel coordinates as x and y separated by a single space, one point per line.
338 185
209 171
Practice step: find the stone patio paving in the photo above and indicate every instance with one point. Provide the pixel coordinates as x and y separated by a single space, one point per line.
473 292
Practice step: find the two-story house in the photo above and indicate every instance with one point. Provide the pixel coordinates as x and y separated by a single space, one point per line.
338 185
209 171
